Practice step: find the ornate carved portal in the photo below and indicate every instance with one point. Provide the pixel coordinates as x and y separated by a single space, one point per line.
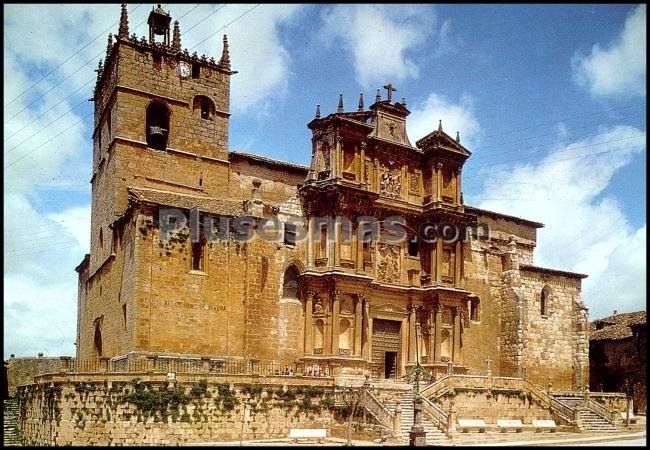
386 348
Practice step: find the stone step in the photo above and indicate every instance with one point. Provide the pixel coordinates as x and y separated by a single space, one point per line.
10 435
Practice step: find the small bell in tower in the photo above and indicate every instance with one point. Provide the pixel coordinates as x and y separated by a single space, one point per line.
159 21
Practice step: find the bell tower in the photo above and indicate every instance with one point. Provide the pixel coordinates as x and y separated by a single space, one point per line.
161 122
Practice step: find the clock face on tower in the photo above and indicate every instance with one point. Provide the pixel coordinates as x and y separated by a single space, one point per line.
183 69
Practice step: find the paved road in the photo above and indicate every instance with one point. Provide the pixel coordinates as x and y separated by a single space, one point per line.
641 442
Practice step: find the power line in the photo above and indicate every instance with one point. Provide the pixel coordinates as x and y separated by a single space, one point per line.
543 163
225 26
204 19
65 98
49 140
567 149
42 114
103 33
61 82
559 121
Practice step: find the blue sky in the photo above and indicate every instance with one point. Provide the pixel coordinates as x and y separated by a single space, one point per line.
551 100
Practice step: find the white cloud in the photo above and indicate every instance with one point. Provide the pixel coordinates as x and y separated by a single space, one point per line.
256 50
585 230
460 117
40 285
620 67
380 38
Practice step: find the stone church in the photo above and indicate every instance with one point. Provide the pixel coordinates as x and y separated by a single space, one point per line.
339 297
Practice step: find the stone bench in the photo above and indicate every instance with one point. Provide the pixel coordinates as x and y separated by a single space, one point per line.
547 424
466 424
633 418
509 424
308 433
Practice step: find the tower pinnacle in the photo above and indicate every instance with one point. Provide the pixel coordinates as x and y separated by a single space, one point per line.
124 23
225 54
176 39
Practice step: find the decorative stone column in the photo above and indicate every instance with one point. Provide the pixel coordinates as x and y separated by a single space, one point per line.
358 241
458 276
451 418
337 242
412 337
336 300
438 261
456 351
339 157
438 331
397 423
310 243
367 329
358 323
362 164
458 191
439 181
309 326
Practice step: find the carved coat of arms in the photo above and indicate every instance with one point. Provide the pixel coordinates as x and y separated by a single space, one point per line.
388 263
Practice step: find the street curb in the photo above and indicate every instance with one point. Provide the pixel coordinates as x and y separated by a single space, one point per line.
613 437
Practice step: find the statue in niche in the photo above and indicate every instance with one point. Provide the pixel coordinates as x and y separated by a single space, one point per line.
390 184
318 306
346 306
319 162
388 264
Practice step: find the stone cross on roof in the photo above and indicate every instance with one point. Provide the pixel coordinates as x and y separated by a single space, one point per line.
389 87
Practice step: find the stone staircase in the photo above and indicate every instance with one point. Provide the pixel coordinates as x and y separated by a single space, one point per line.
10 423
434 435
590 421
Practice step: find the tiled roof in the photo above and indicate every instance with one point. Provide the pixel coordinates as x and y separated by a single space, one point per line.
562 273
203 203
498 215
616 326
266 160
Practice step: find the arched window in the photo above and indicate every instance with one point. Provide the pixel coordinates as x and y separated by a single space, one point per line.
290 282
98 339
157 125
545 301
205 107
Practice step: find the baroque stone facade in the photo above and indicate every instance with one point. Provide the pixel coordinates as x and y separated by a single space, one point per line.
369 304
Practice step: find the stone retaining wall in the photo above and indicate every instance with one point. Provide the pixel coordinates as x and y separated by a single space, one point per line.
110 412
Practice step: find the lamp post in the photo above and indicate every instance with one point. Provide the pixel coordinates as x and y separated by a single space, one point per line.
417 435
628 394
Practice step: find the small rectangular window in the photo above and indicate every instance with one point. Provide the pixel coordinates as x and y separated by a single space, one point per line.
196 70
124 314
197 256
157 62
290 234
414 246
